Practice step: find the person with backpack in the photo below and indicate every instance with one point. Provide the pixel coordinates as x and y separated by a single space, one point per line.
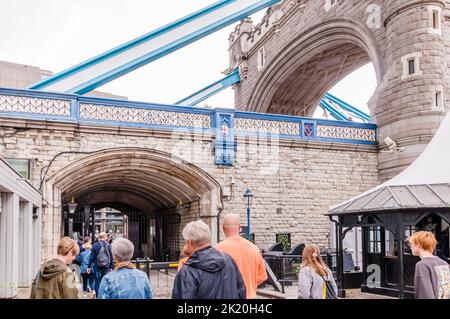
315 280
101 260
88 278
125 281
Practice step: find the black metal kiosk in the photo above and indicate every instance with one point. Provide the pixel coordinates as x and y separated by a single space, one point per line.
417 199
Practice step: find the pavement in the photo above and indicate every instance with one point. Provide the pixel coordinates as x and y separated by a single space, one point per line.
291 293
162 289
266 293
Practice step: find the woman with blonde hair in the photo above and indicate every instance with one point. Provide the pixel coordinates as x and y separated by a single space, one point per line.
315 280
55 280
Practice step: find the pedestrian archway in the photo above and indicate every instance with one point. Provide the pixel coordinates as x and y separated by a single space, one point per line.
164 191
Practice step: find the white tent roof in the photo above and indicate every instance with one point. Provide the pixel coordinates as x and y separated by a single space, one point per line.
424 184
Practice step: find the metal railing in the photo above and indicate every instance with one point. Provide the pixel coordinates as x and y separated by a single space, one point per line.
161 274
69 108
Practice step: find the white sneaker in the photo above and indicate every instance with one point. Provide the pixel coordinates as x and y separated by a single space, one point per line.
84 294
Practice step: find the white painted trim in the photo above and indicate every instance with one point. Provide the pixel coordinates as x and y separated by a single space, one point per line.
26 244
9 246
37 242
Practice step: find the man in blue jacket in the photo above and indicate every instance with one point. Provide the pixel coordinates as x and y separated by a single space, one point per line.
101 260
208 273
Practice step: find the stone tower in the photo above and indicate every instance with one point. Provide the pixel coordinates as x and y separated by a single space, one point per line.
411 101
302 48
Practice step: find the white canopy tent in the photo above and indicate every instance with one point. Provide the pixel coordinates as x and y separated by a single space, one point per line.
425 183
417 198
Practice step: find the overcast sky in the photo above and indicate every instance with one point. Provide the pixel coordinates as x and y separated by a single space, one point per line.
57 34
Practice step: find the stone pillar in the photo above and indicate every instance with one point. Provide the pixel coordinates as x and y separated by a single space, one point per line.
103 221
238 52
51 221
25 244
409 104
87 220
9 245
37 240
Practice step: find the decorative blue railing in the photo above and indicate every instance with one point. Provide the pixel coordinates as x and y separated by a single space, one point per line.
226 124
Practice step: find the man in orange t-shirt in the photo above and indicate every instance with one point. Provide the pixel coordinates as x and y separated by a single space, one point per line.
246 255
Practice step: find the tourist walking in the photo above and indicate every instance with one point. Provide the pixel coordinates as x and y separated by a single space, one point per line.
208 273
55 280
315 279
85 241
88 278
432 274
101 260
246 254
125 281
186 255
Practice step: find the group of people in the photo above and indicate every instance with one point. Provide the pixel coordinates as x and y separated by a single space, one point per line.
106 269
232 269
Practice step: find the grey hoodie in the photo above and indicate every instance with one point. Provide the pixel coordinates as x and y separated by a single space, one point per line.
310 284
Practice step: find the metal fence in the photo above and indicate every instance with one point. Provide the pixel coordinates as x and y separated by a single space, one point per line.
161 274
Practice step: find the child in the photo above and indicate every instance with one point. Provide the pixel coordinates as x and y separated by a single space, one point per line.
83 259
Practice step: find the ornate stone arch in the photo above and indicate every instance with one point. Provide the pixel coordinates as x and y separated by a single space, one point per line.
324 36
147 179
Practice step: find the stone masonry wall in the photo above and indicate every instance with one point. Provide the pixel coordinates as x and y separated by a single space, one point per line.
301 179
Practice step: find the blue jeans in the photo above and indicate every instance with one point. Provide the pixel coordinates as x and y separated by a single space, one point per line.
99 274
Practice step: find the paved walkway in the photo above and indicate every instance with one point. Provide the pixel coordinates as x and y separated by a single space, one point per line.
291 293
162 289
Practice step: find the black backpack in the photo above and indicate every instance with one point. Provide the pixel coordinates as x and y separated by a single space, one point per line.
328 290
103 257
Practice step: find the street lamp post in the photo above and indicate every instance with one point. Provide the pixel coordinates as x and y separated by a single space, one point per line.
248 195
72 206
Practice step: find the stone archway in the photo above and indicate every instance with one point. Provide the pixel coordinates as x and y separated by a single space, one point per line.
302 48
149 180
311 64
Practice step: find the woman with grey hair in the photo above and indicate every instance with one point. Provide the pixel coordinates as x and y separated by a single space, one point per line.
125 281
